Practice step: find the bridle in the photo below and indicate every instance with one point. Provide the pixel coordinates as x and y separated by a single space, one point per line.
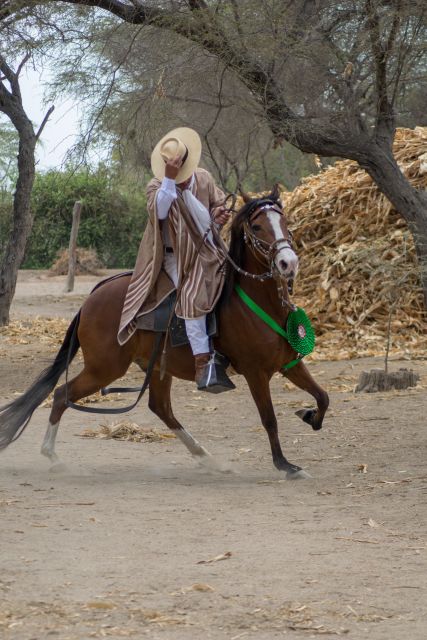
258 246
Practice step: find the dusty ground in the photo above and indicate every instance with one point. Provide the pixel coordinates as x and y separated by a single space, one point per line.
117 544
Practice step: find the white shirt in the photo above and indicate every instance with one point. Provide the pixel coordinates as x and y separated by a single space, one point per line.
165 196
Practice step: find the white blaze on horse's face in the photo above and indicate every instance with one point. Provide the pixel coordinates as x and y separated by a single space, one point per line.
286 260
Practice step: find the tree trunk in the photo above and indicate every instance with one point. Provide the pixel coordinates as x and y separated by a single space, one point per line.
22 218
72 249
22 223
409 202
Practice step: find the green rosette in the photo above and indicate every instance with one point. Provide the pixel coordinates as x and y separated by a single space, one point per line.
300 332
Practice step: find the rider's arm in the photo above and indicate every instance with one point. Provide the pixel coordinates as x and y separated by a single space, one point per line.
165 196
216 195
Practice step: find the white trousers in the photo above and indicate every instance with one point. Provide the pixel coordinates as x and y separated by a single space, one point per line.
195 327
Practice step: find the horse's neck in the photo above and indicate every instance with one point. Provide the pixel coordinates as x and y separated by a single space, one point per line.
264 293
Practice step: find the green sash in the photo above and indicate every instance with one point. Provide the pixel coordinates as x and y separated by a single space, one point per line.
277 328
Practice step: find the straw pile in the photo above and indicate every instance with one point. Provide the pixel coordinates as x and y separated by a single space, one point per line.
87 262
38 330
126 430
357 257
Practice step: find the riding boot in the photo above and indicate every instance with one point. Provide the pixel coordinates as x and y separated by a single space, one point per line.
211 373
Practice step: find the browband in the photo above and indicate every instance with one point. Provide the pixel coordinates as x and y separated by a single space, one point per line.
264 202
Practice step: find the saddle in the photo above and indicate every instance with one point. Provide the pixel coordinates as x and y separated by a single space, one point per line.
213 377
158 320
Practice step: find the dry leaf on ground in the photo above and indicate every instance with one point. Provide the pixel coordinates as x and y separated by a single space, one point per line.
223 556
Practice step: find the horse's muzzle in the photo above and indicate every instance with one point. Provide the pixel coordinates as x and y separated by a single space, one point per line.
287 263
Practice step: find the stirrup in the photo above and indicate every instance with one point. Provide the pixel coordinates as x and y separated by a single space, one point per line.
214 378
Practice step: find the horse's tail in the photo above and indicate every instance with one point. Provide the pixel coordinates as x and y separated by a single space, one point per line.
15 416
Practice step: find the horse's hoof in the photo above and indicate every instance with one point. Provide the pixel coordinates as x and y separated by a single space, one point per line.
298 474
308 415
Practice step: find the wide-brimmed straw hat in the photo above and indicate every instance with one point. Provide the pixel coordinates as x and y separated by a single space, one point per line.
184 142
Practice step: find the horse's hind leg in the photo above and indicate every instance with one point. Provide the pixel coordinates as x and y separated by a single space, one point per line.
260 390
301 377
159 402
86 383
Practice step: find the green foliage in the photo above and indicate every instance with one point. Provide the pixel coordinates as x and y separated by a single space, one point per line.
9 152
112 220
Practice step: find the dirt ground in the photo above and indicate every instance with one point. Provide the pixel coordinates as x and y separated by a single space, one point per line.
136 540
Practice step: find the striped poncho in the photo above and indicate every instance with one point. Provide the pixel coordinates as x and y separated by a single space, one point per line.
201 275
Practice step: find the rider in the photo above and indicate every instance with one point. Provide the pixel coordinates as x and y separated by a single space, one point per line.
178 250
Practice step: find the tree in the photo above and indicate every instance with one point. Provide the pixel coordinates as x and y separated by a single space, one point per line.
326 76
330 78
11 105
142 87
165 81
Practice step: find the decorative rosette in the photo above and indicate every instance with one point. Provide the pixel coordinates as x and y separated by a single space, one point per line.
300 332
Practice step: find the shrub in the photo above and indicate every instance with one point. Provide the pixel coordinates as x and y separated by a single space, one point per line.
112 221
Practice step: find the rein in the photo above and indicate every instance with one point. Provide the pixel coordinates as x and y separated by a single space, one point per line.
223 246
115 410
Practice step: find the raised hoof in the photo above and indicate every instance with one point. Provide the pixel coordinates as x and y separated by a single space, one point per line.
308 415
298 474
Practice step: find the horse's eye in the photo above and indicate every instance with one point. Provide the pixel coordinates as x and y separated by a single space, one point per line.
256 227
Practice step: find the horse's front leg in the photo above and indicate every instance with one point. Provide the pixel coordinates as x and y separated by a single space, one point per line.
301 377
259 385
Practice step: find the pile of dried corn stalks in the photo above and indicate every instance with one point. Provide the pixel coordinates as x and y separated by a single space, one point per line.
357 257
126 430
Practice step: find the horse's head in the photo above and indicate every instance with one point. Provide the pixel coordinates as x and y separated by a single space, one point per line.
261 225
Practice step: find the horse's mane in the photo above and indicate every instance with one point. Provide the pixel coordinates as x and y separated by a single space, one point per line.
237 243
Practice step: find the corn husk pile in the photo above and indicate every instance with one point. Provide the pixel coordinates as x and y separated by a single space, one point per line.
126 430
357 258
87 263
40 330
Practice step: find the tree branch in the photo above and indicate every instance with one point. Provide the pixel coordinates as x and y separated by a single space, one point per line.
22 64
134 13
397 18
385 122
8 72
45 119
202 27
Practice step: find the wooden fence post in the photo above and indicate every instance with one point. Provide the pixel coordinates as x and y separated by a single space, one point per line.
72 249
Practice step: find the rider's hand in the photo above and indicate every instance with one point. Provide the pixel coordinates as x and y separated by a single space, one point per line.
220 215
172 167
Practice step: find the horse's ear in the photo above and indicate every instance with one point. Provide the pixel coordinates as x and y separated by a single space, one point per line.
246 197
275 192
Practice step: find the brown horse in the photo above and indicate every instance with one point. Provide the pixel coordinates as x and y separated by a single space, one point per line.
261 246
